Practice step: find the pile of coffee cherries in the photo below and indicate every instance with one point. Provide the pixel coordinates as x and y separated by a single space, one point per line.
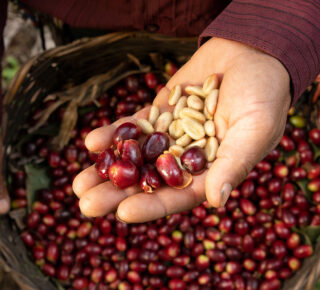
250 243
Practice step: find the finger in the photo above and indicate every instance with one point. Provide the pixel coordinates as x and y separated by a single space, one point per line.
241 148
103 199
143 207
4 203
85 180
101 138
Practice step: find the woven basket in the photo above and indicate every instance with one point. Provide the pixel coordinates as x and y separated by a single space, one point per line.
78 73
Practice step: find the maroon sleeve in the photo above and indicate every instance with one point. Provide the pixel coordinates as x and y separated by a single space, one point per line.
288 30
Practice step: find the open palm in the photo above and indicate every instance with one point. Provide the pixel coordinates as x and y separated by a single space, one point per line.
250 118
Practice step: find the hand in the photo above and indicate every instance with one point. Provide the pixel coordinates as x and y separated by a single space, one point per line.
250 118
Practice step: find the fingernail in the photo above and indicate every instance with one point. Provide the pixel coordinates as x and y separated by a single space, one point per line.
225 193
118 219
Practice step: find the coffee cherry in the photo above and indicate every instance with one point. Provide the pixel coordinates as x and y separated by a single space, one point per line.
278 249
154 145
126 131
49 270
293 241
294 263
286 143
132 84
123 173
194 160
151 80
121 91
130 150
150 179
33 220
169 170
27 238
314 135
80 283
170 68
247 207
303 251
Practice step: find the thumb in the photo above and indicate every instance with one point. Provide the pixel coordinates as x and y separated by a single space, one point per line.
237 154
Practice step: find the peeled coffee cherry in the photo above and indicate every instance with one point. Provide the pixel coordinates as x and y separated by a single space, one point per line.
105 159
123 173
155 144
150 178
169 170
130 150
194 160
126 131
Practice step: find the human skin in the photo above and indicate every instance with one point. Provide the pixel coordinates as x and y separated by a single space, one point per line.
250 118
